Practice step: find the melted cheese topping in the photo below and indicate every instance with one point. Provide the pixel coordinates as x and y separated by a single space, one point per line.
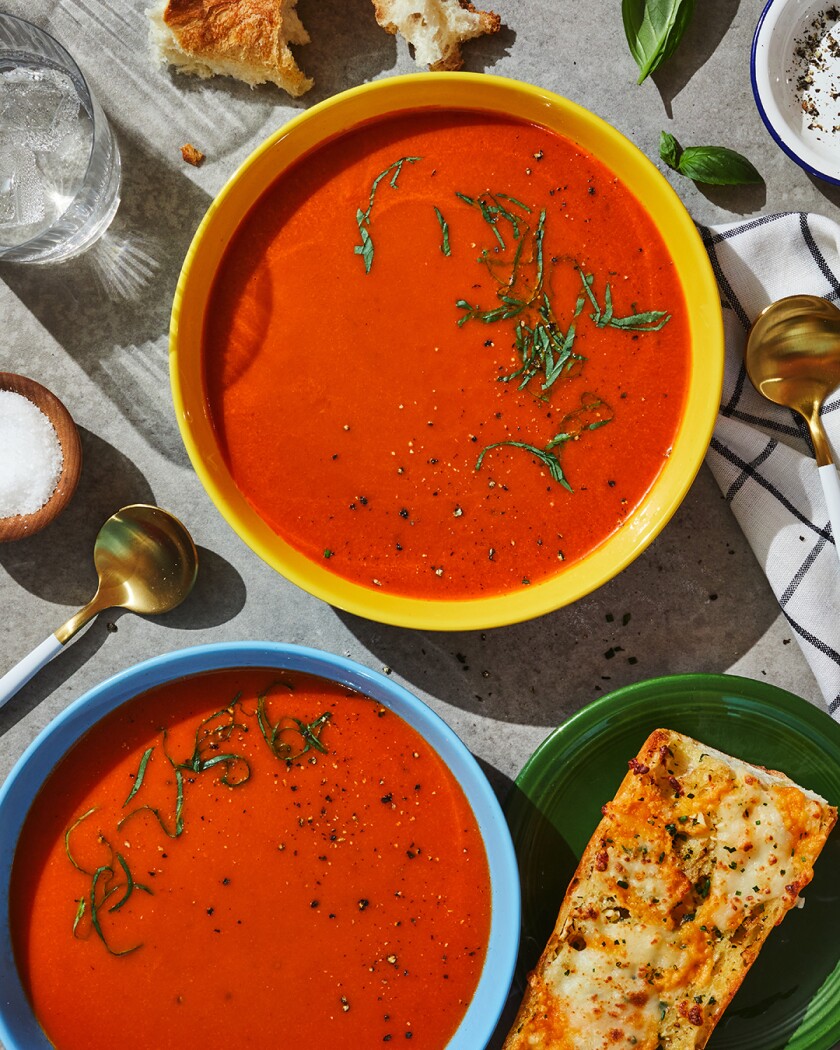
694 861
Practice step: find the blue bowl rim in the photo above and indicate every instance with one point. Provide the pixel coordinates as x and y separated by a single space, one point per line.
816 172
18 1028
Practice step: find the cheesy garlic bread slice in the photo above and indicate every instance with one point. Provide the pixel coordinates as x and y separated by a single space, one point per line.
695 860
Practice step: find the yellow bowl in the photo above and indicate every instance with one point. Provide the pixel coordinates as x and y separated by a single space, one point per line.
471 92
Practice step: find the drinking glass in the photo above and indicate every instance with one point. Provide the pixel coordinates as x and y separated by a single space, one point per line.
59 162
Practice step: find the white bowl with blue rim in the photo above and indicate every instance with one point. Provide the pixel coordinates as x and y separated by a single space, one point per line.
795 72
19 1029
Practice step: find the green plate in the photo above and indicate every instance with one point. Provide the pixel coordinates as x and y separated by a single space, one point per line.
791 996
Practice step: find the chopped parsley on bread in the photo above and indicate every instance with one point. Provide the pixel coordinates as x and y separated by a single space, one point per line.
695 860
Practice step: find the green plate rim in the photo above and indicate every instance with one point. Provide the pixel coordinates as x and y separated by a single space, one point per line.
782 699
593 719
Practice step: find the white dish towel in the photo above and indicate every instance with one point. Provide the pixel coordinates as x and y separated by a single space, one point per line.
760 453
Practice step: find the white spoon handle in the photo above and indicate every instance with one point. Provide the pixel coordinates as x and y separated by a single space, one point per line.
28 666
831 488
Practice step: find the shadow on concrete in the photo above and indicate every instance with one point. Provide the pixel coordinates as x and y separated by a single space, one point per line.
677 609
707 28
109 308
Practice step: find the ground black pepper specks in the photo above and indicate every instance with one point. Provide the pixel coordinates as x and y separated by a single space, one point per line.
815 72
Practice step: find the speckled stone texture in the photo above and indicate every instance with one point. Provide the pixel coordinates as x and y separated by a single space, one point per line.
95 332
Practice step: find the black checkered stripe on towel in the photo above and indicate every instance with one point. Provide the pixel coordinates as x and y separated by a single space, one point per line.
761 454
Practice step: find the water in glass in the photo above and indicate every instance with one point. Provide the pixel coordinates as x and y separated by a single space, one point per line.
47 135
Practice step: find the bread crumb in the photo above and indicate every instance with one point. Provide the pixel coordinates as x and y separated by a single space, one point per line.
192 155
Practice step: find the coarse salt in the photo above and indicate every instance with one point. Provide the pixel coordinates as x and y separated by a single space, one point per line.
30 456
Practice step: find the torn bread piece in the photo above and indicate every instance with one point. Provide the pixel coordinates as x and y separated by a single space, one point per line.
435 29
696 858
245 39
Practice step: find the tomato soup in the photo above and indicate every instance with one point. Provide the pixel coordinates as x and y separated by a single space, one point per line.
250 858
446 354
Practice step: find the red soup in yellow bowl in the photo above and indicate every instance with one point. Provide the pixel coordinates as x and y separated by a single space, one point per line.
259 857
446 357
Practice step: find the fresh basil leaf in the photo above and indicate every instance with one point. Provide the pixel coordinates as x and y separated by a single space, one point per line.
670 150
653 29
717 166
711 165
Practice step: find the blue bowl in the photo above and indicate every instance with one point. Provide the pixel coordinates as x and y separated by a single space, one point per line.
19 1029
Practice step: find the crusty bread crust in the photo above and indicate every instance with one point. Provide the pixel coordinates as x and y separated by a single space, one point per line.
435 29
246 39
696 858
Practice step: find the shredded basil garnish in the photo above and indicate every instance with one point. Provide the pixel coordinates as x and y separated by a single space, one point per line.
638 321
130 884
67 835
80 913
444 232
542 454
365 249
141 772
112 883
178 820
105 872
544 346
592 414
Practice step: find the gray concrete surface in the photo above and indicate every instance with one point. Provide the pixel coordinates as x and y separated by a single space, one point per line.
95 331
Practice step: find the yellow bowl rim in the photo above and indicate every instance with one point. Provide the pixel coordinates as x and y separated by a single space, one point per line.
481 92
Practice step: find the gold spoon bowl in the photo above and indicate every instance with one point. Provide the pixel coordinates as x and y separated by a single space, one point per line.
793 359
146 562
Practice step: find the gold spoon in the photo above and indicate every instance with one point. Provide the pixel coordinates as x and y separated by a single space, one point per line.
793 359
146 562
